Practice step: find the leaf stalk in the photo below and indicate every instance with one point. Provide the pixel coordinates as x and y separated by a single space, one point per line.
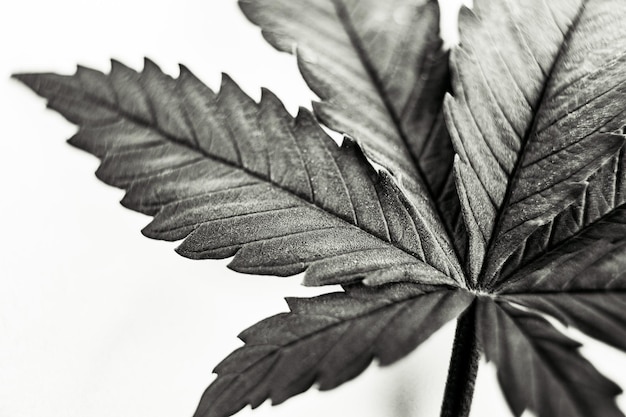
459 391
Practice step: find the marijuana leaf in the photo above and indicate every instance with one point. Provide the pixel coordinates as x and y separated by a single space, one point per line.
234 177
518 211
329 340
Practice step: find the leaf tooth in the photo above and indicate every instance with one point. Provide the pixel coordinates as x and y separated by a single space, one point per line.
165 102
130 94
44 84
185 72
96 84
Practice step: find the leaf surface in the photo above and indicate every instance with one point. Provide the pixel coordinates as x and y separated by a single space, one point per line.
539 368
582 282
537 89
327 340
233 177
385 57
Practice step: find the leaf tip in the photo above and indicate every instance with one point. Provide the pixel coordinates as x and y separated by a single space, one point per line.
465 11
352 146
117 66
348 143
154 230
181 249
129 202
185 72
150 66
81 68
229 86
293 303
28 79
246 8
267 96
238 264
227 79
103 175
304 114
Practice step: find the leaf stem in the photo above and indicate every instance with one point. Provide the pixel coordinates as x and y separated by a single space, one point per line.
459 391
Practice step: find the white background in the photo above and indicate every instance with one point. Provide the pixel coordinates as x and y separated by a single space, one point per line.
98 321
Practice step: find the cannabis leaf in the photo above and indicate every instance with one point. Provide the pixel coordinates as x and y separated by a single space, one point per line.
513 209
329 340
234 177
386 58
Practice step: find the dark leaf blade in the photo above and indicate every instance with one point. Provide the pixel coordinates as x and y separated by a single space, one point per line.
327 340
233 177
581 282
529 136
385 57
539 368
601 193
592 260
575 198
598 314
